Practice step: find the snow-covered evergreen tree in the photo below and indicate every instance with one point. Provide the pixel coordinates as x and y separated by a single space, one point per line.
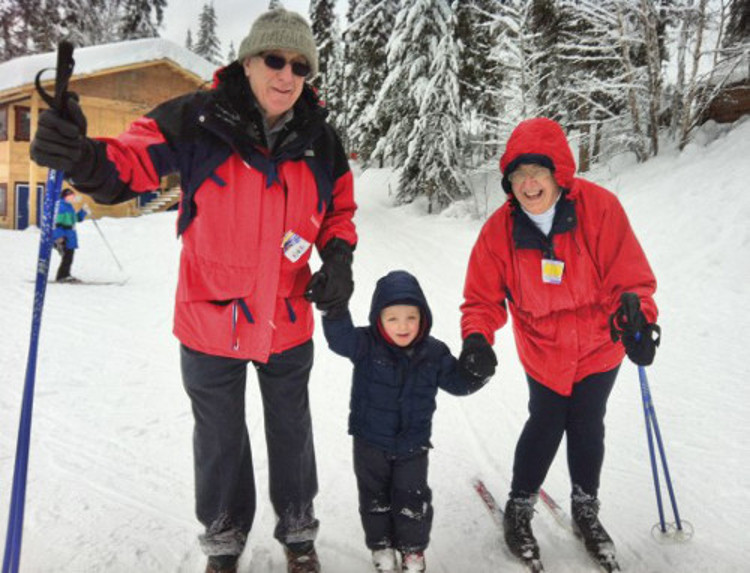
208 44
189 40
329 80
738 26
45 25
421 91
232 53
141 18
92 22
543 25
365 40
592 92
480 74
28 27
322 21
9 20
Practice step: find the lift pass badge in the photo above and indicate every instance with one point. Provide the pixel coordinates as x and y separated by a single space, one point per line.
552 271
294 246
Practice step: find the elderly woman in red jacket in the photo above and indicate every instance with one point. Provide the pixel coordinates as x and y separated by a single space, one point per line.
559 253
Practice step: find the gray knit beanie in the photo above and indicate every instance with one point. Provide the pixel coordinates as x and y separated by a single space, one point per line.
280 30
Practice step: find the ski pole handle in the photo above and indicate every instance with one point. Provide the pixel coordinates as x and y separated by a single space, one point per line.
64 71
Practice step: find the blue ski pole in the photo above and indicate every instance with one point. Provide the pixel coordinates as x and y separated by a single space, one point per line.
650 416
12 555
629 321
652 430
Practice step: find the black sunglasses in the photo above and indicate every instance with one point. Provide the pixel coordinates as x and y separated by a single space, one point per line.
276 62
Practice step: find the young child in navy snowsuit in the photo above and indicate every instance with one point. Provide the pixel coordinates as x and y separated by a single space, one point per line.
398 368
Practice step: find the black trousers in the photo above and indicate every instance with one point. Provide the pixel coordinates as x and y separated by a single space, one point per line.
395 502
63 271
224 482
580 417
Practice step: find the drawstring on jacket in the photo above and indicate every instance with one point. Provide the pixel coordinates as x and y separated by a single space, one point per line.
239 303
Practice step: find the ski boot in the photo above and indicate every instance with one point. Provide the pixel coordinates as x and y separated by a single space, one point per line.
222 564
585 511
384 560
517 525
302 558
413 562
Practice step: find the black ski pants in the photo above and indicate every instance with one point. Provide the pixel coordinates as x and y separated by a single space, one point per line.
224 481
395 502
63 271
580 417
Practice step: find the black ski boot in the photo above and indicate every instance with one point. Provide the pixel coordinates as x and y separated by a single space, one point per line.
222 564
517 525
586 524
302 558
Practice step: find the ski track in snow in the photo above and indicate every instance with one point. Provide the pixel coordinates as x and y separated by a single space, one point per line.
110 486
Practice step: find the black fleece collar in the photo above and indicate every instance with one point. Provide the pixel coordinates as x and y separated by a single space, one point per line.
235 114
526 235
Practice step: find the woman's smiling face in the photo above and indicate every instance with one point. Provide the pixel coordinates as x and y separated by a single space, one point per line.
535 187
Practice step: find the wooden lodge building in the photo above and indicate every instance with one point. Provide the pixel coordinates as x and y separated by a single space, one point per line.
116 83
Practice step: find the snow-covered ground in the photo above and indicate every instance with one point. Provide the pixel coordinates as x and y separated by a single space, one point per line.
110 476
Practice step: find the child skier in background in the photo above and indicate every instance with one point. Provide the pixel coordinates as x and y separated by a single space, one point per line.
398 368
64 235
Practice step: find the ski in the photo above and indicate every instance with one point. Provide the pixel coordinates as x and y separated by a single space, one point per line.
604 557
532 565
82 282
92 283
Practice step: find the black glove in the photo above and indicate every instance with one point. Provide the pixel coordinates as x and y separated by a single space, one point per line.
60 140
331 287
639 337
477 357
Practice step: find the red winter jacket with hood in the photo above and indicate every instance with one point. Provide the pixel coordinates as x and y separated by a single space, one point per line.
561 330
238 293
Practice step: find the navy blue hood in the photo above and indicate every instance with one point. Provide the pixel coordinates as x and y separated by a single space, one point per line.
400 287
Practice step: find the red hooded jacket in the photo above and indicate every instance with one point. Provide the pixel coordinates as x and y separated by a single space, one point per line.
561 330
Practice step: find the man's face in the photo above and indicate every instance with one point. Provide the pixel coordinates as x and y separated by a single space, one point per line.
276 90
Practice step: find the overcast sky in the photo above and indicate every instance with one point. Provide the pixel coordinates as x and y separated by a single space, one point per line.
234 18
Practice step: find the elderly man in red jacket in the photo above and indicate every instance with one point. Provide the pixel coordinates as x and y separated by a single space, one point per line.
560 253
264 178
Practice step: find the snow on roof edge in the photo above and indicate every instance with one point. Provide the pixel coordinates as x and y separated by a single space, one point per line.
21 71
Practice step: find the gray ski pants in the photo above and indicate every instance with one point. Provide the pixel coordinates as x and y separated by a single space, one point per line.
224 481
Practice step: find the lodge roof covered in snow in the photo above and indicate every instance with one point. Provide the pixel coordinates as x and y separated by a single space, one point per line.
91 60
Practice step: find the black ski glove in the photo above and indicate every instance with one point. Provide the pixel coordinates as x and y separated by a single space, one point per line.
639 337
477 357
60 140
331 287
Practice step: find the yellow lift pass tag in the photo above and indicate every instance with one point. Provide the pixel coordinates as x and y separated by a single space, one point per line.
294 246
552 271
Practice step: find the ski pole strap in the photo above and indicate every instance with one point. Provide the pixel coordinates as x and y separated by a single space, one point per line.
64 71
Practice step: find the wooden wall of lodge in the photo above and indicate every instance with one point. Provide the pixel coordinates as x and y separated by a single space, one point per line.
111 101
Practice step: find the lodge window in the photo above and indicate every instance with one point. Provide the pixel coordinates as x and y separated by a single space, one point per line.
4 123
23 124
3 199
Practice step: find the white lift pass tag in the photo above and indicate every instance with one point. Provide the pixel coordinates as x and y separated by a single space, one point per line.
294 246
552 271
